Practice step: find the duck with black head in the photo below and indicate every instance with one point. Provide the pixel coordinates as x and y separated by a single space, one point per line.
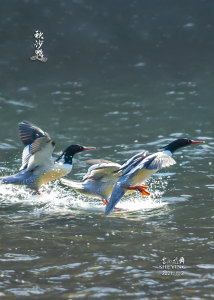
135 174
38 167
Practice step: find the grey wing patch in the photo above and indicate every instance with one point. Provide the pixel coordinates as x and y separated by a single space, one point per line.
100 171
29 132
159 161
133 162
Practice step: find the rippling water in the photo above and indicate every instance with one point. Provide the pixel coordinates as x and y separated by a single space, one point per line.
124 78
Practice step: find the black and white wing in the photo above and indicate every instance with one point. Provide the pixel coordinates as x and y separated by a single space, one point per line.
26 154
38 153
29 135
154 161
29 132
41 153
132 162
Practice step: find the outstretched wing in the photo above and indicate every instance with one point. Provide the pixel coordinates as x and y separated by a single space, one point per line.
29 132
155 161
147 167
117 194
102 171
132 162
39 152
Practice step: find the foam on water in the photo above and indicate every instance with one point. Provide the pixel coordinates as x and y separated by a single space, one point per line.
55 198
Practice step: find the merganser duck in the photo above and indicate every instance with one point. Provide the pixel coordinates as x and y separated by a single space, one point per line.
99 181
38 167
135 174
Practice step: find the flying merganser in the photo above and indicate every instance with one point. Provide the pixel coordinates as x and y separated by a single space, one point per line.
38 167
99 181
135 174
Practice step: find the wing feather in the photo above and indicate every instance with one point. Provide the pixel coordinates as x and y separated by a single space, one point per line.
26 154
132 162
154 161
39 144
101 171
162 160
41 153
29 132
117 194
34 139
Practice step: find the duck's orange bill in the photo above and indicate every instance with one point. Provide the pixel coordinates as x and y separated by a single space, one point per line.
198 142
88 148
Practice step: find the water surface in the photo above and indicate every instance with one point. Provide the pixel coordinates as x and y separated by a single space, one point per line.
124 77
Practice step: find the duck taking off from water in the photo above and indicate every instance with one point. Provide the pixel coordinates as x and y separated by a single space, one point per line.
99 181
135 174
38 167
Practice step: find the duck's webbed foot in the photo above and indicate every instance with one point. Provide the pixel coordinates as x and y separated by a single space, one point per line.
140 188
106 202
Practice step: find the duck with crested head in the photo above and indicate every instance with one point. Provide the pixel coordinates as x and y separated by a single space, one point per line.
135 174
38 167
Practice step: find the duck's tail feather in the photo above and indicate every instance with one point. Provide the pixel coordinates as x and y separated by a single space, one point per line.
10 180
72 184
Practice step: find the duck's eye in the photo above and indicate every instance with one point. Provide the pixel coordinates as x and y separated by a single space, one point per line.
53 143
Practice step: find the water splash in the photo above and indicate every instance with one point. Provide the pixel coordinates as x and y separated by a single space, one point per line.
55 198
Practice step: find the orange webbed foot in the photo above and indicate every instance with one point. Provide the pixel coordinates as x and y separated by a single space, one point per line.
106 202
140 188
